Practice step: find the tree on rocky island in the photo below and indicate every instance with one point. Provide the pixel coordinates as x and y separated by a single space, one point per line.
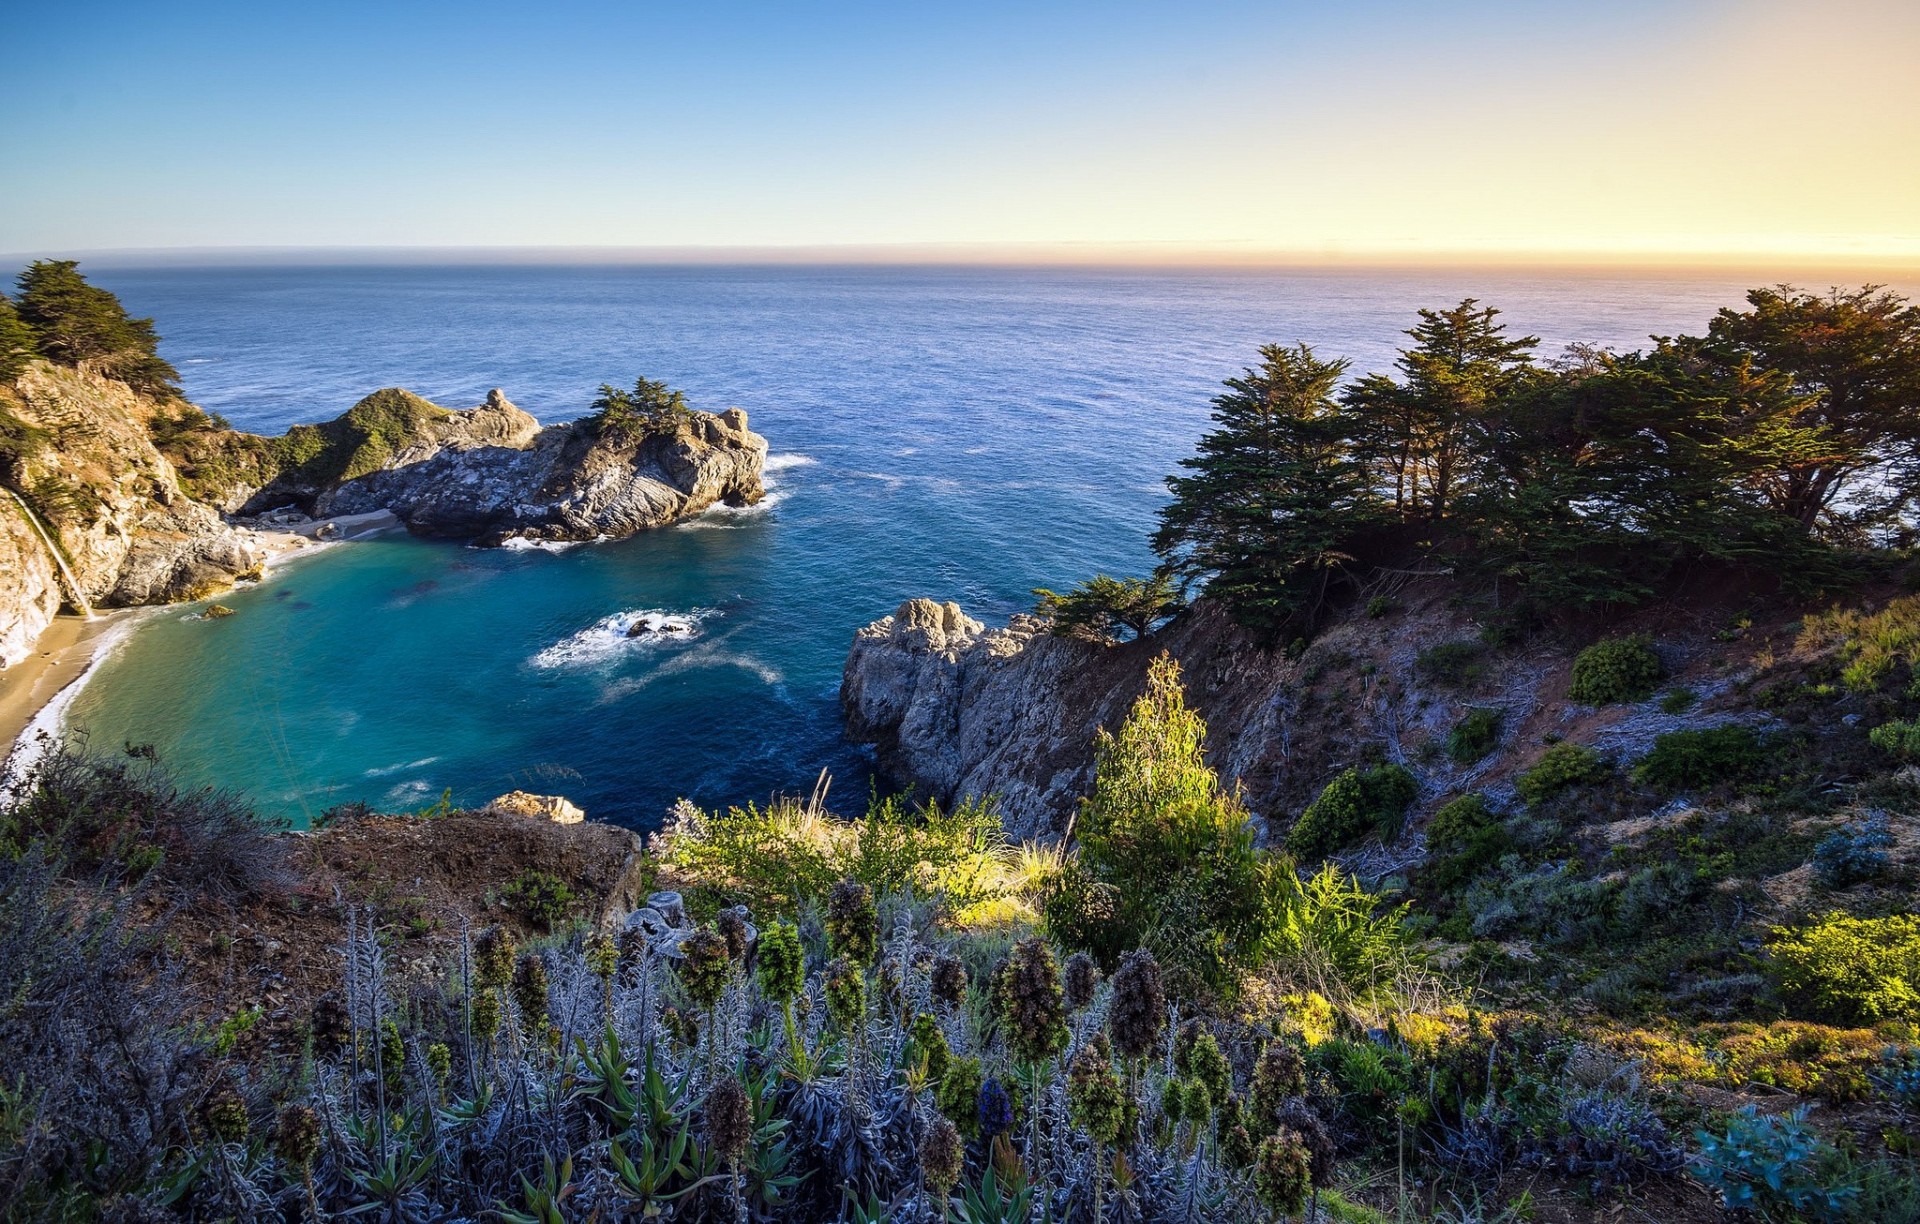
1100 607
75 323
650 408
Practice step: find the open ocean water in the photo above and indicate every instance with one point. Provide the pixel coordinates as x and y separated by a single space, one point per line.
964 434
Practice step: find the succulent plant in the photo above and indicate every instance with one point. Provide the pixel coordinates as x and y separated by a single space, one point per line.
958 1095
942 1154
1083 977
930 1043
949 980
296 1136
704 966
1094 1096
1281 1176
1033 1006
1138 1015
846 993
493 954
729 1118
530 991
782 967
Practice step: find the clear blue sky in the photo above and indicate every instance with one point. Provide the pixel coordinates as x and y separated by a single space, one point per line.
1673 126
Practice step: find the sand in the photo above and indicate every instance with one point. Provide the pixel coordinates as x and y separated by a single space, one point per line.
59 658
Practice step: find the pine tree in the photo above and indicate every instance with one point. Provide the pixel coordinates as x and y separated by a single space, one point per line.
1274 498
76 323
16 341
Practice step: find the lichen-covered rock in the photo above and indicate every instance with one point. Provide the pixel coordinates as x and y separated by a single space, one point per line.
30 595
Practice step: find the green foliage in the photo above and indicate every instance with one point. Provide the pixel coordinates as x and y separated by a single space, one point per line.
1678 700
1452 663
16 342
1900 737
1559 768
1616 670
540 898
75 323
650 409
1465 838
1776 1166
1474 736
1274 494
1351 806
1333 930
1698 759
1099 608
365 439
1872 645
1167 859
1851 969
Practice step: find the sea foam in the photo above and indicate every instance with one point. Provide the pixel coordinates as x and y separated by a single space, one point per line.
610 637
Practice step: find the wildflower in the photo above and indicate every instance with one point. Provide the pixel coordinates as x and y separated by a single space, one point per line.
631 944
729 1118
493 957
852 925
393 1055
1236 1146
1082 977
1279 1076
226 1116
1208 1065
1094 1097
1299 1118
1196 1103
1280 1173
296 1136
332 1028
486 1014
930 1044
941 1156
958 1095
1183 1043
949 980
682 1027
1033 1007
530 990
996 1109
704 966
1139 1012
440 1062
732 925
846 994
782 968
603 957
1228 1115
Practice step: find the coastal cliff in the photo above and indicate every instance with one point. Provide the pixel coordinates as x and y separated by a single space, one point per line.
956 709
31 595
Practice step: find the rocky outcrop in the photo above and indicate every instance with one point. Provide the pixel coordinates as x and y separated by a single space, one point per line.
30 595
493 474
957 709
113 501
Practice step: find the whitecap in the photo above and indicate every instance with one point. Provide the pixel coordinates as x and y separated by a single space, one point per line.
525 544
387 770
780 463
720 514
612 636
693 660
408 792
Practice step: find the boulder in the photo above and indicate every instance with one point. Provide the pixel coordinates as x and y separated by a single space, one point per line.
556 808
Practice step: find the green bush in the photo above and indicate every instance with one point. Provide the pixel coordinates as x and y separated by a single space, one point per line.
1464 839
1097 609
1901 738
1454 663
1474 736
651 408
1696 760
1619 669
1852 970
1560 768
541 898
1352 805
1678 700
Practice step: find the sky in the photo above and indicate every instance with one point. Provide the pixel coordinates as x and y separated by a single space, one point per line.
1364 129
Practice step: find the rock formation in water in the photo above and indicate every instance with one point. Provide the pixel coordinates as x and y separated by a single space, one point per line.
493 474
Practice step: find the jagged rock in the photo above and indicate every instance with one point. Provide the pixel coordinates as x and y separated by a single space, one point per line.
130 533
492 474
30 596
670 907
555 808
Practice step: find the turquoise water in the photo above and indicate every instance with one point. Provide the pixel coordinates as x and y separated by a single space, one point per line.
966 434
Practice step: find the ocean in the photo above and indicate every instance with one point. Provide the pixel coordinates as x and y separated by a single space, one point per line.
964 434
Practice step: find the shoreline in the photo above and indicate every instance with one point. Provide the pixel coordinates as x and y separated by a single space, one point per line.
67 652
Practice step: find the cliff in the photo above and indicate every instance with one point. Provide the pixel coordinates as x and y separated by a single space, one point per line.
30 597
955 708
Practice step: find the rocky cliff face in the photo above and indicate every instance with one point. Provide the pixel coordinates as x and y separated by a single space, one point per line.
113 501
29 595
955 708
493 474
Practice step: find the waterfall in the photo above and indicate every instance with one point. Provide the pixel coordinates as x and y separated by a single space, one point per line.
59 558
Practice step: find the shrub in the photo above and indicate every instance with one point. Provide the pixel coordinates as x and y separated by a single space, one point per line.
1452 663
1853 852
1380 606
1872 644
1352 805
651 408
1901 738
541 898
1619 669
1552 902
1678 700
1474 736
1099 608
1696 760
1776 1166
1464 838
1559 768
1852 969
1609 1139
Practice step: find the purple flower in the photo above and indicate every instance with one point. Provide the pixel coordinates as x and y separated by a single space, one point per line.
996 1109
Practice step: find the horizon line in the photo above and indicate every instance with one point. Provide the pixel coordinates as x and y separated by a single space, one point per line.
1148 255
